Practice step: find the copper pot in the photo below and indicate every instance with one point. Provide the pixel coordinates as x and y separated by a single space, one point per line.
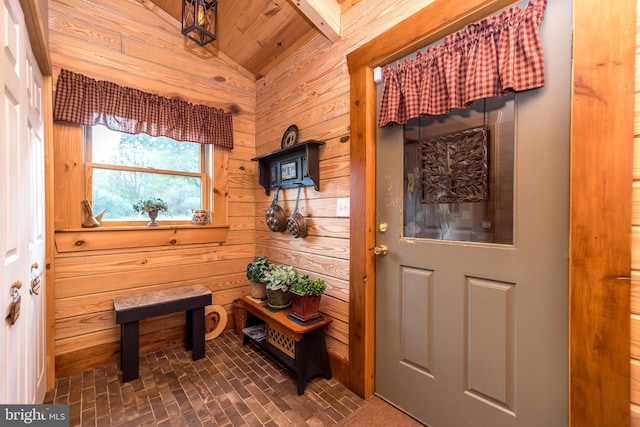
274 215
296 224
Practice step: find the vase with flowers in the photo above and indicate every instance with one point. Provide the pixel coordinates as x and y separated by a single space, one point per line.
151 206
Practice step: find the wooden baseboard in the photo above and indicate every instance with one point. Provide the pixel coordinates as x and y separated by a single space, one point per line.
340 369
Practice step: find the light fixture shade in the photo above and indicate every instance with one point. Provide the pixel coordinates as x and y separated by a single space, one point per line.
200 20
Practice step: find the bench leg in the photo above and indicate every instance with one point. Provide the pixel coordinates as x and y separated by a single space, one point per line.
311 358
195 332
129 357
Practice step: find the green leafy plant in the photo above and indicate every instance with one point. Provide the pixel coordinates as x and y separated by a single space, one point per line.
150 204
256 271
306 286
281 277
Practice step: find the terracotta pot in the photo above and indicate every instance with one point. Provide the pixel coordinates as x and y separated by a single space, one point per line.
305 307
258 290
278 299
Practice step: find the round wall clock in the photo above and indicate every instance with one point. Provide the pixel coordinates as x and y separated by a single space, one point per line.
290 137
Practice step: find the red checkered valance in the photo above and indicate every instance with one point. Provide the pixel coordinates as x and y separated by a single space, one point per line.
85 101
500 54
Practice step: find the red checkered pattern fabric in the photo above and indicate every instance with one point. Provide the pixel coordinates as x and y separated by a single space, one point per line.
85 101
500 54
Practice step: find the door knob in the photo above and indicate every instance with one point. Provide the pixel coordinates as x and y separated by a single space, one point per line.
381 250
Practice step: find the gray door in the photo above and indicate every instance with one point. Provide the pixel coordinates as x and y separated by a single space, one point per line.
472 298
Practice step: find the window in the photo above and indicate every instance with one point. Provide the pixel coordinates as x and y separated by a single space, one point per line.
124 168
488 219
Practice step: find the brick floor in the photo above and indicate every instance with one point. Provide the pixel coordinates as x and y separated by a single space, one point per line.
232 386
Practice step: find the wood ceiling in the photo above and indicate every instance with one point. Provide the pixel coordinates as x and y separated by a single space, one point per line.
259 34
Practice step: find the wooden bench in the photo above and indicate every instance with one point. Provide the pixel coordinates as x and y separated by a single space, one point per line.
130 309
299 348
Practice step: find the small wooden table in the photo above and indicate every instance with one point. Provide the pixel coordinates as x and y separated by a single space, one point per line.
300 348
130 309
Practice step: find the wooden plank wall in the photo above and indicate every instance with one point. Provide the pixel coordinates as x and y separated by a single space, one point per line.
127 43
311 90
635 249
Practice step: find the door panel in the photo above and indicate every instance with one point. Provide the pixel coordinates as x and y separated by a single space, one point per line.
13 244
472 333
490 341
36 339
417 307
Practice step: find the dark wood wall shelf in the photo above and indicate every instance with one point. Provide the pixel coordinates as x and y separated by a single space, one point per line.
291 167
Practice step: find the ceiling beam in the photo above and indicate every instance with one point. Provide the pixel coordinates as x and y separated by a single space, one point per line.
324 14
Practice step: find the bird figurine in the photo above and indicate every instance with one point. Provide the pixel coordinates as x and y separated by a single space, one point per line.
90 220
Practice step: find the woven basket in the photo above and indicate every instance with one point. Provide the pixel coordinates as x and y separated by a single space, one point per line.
239 315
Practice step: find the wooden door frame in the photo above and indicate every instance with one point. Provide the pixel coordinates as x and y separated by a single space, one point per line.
602 115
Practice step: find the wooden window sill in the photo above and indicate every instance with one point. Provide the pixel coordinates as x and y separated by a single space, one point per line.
124 237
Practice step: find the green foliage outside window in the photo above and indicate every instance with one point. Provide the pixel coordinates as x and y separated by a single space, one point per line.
140 165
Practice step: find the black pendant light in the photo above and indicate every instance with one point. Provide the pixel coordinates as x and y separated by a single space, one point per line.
200 20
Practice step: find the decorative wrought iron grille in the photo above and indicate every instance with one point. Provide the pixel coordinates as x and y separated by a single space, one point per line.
453 167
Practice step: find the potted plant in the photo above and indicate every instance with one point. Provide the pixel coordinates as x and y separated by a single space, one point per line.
305 297
256 274
280 280
151 206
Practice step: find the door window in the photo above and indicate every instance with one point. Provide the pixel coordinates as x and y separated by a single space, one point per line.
458 174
